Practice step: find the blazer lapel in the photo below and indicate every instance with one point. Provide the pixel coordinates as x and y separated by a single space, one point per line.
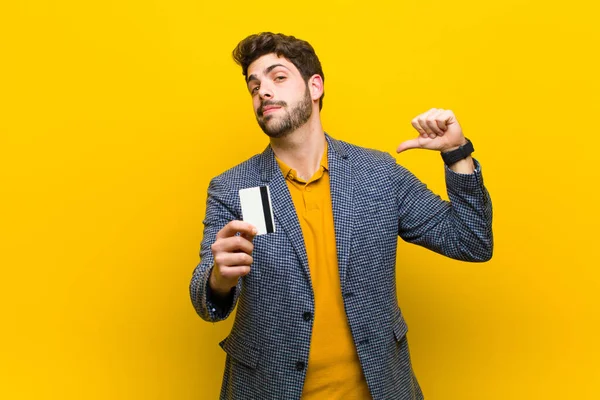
340 176
283 207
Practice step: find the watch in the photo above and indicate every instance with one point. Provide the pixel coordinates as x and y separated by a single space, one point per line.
453 156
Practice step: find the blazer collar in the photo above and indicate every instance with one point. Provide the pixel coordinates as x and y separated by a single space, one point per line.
269 166
340 175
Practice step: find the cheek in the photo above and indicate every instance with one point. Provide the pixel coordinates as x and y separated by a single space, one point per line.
255 104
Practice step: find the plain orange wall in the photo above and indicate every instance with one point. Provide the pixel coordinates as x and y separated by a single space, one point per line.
114 115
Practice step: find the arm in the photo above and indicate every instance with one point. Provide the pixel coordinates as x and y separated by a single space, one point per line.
461 228
224 258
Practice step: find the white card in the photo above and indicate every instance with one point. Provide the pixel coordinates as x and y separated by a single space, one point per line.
257 209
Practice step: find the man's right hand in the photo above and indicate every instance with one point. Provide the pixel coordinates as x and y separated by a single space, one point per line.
232 255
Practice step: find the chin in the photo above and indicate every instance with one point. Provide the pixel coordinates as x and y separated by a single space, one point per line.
275 133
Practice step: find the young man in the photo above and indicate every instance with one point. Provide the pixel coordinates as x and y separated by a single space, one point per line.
317 313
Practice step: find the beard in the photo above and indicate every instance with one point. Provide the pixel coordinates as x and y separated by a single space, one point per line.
280 126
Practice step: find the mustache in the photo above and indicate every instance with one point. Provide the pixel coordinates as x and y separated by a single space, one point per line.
269 103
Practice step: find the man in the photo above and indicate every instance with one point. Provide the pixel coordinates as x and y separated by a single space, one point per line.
317 313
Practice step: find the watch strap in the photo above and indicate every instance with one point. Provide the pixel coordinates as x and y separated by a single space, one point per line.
453 156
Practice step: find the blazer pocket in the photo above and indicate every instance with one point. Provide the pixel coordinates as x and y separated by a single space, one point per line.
240 350
400 328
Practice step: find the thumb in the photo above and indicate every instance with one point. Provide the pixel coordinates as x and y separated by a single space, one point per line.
409 144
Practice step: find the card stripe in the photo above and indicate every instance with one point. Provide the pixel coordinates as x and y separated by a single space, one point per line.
266 209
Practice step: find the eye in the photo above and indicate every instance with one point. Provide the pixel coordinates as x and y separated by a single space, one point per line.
254 89
280 78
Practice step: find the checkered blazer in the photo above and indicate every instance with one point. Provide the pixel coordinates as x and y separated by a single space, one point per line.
374 200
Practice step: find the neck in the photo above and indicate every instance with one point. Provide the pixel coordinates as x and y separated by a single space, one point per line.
302 149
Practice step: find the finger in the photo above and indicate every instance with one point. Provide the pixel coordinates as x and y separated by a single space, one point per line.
409 144
230 259
232 244
422 120
432 123
249 237
234 227
441 119
415 124
234 271
430 112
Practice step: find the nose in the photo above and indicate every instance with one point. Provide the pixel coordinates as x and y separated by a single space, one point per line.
265 92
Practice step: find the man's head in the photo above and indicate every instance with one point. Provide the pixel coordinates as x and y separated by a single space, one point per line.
284 77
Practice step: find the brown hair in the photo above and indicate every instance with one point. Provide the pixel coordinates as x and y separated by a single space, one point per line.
298 52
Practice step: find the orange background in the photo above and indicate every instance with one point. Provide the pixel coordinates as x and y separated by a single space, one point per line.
114 116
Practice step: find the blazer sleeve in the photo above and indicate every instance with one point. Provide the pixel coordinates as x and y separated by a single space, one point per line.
218 214
460 228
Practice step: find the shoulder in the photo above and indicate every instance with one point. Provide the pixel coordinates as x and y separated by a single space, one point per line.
365 157
372 167
239 176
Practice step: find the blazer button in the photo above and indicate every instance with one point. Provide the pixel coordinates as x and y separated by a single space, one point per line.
300 365
307 316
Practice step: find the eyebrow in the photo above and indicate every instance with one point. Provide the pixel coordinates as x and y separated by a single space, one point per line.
266 71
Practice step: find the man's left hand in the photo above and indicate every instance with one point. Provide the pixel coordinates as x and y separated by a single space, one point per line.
438 130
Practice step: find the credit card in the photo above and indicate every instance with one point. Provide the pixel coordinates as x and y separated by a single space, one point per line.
257 209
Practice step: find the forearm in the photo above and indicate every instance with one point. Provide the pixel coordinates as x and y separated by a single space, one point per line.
459 229
219 289
210 305
464 166
472 214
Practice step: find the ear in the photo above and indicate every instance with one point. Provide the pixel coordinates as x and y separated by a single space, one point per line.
315 85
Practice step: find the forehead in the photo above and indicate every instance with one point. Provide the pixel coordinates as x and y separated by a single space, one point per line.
258 66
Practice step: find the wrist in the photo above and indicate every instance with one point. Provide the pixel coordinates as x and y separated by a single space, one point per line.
218 286
449 149
453 155
465 166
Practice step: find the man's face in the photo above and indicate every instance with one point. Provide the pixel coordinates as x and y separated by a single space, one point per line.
280 96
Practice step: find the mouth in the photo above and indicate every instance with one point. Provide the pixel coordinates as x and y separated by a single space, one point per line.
269 110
